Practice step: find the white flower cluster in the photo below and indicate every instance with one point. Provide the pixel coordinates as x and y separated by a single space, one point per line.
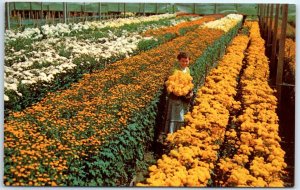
33 33
25 73
225 23
41 65
124 45
60 29
56 30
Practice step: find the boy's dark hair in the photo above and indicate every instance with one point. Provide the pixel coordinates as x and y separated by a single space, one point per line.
182 55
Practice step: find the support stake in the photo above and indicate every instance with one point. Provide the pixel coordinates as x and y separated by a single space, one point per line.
281 52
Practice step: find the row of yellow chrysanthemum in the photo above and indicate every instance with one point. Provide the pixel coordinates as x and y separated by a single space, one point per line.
259 159
195 147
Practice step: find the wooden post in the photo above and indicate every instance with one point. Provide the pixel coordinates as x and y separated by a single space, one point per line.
270 26
274 40
267 22
263 19
281 52
144 7
260 15
7 16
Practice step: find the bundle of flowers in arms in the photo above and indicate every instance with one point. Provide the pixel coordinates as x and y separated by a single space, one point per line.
180 83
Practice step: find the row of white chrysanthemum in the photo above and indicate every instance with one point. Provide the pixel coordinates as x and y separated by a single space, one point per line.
225 23
61 29
23 72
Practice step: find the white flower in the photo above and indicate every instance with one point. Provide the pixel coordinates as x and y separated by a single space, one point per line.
6 98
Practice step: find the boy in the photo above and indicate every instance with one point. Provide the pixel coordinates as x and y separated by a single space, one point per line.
177 106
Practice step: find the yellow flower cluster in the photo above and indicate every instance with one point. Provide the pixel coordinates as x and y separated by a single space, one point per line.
195 146
259 126
180 83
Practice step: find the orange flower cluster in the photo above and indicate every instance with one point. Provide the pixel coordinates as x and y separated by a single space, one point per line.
42 140
196 145
176 29
258 126
179 83
290 54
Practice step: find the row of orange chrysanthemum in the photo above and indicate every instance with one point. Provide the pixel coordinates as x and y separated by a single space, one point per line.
195 147
258 141
44 128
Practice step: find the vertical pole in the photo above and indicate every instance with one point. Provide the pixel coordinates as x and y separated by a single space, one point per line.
281 52
267 22
260 14
144 7
274 41
124 10
7 16
156 8
263 19
194 8
42 14
84 12
215 8
99 10
140 9
65 12
270 25
236 7
30 9
173 8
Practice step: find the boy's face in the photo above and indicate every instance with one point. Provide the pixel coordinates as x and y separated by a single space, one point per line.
184 62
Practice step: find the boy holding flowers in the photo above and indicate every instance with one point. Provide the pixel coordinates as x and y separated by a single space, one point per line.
179 87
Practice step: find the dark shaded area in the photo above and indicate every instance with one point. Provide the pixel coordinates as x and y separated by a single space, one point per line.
286 113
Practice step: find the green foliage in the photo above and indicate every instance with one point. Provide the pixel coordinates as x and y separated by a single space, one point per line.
19 44
64 52
145 45
245 30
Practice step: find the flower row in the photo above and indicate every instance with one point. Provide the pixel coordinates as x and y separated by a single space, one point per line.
53 141
195 146
290 55
259 159
181 26
62 29
55 56
225 23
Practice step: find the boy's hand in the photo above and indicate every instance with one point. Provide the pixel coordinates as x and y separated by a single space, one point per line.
189 95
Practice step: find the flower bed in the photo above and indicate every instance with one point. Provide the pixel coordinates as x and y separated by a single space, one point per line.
57 62
195 146
225 23
181 27
259 159
62 29
290 59
95 132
